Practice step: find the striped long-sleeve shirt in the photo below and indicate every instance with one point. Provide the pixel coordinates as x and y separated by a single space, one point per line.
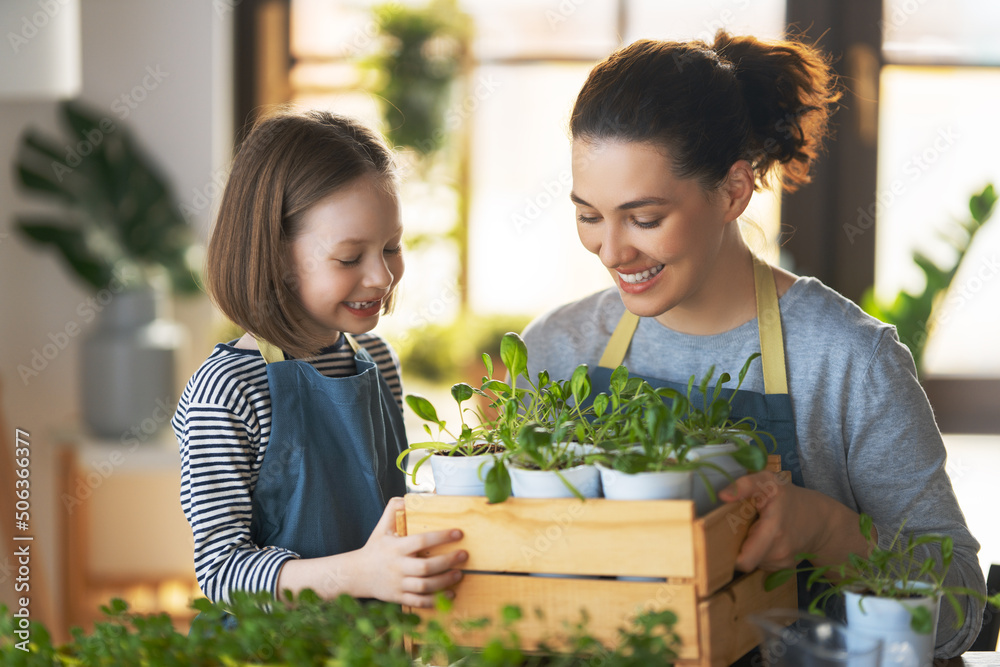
223 422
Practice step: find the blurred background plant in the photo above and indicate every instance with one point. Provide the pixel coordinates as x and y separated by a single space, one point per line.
119 219
913 314
422 52
452 352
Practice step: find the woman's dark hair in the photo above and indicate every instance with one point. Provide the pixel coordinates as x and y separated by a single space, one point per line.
739 99
288 162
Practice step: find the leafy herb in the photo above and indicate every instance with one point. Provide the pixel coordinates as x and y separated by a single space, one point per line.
895 572
310 632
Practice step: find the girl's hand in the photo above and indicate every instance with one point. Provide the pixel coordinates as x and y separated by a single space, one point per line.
393 571
793 520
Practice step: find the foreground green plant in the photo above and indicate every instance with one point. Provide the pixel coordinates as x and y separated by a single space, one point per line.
895 572
308 631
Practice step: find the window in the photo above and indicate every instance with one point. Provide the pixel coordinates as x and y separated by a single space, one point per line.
529 61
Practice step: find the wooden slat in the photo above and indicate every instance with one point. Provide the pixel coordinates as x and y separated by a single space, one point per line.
725 633
609 604
718 537
563 536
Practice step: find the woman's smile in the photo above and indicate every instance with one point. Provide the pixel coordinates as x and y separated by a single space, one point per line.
635 282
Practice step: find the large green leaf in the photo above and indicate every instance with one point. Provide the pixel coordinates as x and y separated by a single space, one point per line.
422 407
41 182
46 148
514 354
72 245
114 191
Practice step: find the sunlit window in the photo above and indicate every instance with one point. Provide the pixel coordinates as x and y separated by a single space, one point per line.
937 147
530 59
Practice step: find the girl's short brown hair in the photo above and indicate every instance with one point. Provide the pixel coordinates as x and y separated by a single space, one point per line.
288 162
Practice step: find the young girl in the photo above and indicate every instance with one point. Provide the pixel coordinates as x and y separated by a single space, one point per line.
289 435
670 140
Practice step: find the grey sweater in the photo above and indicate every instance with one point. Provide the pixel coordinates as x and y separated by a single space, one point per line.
866 433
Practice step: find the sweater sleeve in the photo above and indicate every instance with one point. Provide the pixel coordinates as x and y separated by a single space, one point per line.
219 437
896 461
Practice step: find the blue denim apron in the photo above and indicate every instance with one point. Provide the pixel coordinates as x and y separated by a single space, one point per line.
772 410
330 464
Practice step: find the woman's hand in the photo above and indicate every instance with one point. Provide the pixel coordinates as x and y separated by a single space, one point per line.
793 520
392 570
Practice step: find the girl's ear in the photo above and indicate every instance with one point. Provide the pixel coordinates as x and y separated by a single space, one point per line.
737 189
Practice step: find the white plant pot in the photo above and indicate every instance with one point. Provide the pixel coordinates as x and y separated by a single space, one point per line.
718 455
665 484
888 619
546 484
460 475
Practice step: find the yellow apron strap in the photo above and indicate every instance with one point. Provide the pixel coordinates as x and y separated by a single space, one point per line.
273 353
270 352
772 345
620 339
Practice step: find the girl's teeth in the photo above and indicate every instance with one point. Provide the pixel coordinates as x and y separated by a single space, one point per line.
360 305
641 277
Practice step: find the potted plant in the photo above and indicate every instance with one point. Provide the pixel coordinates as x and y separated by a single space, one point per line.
122 233
548 463
725 448
459 466
645 454
891 594
463 466
545 430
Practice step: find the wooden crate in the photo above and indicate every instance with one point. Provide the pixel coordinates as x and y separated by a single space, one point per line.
593 542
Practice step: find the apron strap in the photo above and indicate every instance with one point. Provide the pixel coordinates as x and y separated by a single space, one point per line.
620 339
272 353
772 344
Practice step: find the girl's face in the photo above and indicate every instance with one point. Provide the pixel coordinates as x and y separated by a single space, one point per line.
659 236
348 257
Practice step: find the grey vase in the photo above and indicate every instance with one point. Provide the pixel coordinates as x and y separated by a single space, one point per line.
127 368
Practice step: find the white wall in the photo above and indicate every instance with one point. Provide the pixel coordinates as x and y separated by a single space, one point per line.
182 117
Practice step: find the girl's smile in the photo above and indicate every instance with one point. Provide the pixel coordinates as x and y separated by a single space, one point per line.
364 308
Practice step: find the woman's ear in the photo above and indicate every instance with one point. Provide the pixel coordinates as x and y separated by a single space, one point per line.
737 189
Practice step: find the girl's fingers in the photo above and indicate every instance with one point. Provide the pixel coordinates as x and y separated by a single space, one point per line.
427 585
387 523
425 567
423 541
422 601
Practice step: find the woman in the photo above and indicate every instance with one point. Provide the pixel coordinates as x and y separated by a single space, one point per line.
670 141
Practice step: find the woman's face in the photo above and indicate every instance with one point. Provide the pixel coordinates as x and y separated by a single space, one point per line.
658 235
348 256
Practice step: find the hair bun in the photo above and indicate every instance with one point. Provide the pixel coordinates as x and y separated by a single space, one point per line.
789 92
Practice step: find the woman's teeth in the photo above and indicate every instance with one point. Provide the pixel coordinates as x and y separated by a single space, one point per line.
361 305
642 276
